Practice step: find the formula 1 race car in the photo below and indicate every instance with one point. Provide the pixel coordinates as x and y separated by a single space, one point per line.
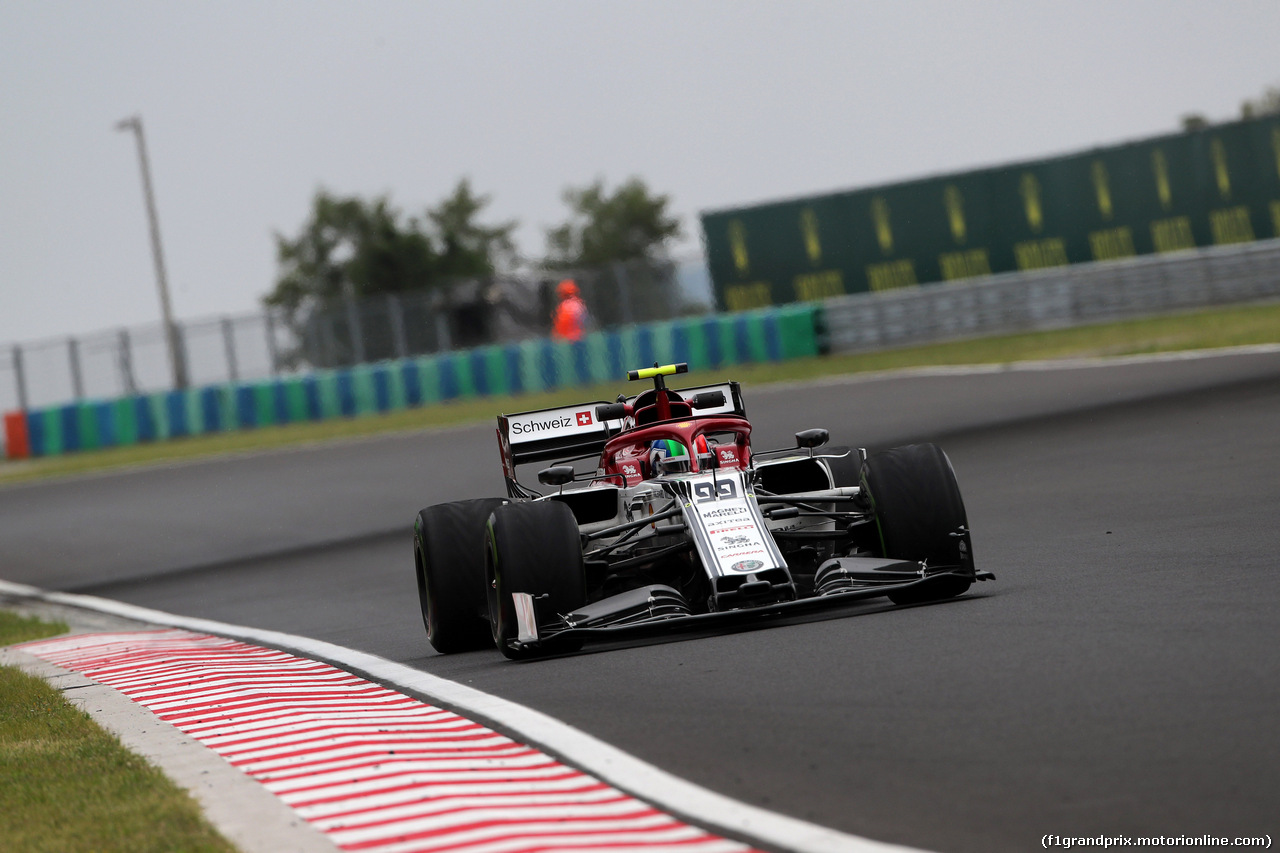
680 523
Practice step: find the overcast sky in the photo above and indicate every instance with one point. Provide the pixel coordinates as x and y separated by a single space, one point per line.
250 107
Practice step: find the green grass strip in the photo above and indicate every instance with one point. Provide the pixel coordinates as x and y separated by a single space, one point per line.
68 786
1257 323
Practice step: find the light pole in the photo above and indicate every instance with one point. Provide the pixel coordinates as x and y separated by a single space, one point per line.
177 363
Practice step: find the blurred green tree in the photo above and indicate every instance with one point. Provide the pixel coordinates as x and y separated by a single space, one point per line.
351 247
628 225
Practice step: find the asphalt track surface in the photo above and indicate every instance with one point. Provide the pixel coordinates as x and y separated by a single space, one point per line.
1119 678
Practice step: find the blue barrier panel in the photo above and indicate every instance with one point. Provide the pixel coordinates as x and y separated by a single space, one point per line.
246 407
69 423
515 373
478 363
448 377
711 334
146 419
210 410
581 365
280 401
742 338
546 359
105 413
614 358
176 403
412 381
311 394
644 348
381 388
35 433
346 392
772 339
680 346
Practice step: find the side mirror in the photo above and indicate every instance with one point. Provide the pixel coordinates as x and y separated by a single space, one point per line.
812 438
557 475
707 400
611 412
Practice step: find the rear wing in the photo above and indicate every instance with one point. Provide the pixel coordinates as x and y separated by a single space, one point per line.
575 432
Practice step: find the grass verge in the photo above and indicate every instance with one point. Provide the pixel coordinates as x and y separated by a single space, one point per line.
67 786
1205 329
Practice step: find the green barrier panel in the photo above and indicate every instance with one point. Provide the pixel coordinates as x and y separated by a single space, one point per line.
664 348
464 382
530 374
264 404
429 379
797 330
160 415
330 405
53 443
694 329
598 357
362 383
126 422
630 340
195 413
295 399
756 336
87 425
728 340
229 411
397 398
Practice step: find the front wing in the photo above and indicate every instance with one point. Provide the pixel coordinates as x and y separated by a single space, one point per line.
879 582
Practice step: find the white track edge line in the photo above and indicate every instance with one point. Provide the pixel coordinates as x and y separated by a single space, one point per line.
612 765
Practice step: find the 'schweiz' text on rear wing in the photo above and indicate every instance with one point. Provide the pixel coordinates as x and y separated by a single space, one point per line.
574 432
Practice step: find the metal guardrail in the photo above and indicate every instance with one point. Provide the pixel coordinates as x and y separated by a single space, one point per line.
1056 298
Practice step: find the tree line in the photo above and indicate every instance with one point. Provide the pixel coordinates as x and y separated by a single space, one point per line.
351 246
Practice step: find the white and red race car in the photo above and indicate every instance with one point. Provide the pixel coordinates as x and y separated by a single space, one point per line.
659 516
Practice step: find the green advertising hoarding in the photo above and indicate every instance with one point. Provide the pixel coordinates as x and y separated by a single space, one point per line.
1212 187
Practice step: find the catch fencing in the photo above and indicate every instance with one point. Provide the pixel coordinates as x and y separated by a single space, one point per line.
342 333
1046 299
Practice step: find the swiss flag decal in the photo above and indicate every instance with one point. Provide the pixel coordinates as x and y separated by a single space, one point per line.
584 418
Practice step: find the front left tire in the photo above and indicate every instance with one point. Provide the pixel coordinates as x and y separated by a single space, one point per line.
448 556
532 548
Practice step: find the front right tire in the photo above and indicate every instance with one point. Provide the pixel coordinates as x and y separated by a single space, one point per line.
920 515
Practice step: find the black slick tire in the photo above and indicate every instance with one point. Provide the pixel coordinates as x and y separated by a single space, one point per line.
532 548
448 556
920 515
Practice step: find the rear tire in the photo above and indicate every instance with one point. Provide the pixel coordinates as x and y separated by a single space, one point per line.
448 556
917 504
532 548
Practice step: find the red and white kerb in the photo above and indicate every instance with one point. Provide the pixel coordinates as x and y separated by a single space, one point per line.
371 768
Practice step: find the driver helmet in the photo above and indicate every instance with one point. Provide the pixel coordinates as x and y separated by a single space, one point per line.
567 288
665 449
